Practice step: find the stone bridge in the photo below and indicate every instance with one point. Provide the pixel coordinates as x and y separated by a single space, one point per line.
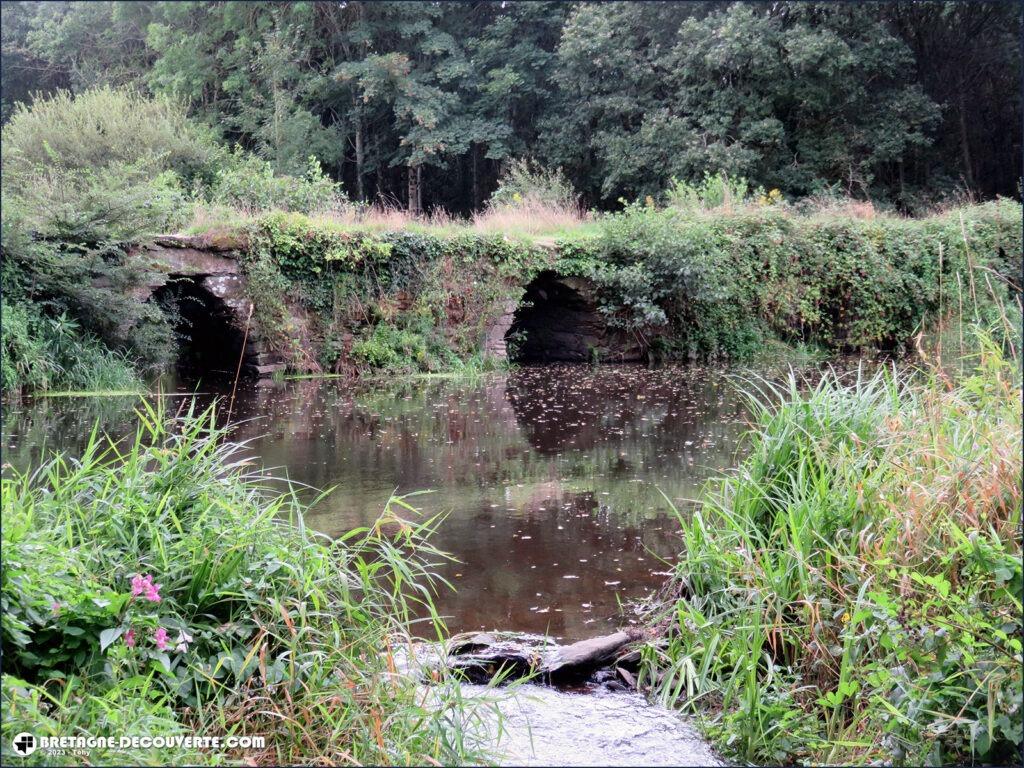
204 277
557 320
556 317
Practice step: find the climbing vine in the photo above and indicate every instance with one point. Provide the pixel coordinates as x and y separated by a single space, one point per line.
692 285
398 300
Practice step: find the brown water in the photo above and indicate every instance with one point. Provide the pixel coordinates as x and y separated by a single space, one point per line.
552 477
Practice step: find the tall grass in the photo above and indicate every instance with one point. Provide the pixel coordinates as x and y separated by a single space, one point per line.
526 218
41 352
853 592
270 629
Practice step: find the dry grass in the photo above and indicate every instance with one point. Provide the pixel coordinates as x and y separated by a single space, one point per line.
845 208
525 219
530 217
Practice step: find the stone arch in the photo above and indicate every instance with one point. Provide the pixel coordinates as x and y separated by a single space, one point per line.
211 337
204 280
558 320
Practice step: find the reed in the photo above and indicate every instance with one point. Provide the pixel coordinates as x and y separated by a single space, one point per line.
249 623
852 593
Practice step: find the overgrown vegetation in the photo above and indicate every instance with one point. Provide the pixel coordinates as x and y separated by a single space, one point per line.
84 177
713 269
163 587
852 594
402 300
718 272
718 277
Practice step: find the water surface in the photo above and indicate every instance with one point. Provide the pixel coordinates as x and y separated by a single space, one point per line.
544 726
556 480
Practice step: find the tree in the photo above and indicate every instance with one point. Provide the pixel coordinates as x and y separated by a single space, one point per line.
423 103
791 95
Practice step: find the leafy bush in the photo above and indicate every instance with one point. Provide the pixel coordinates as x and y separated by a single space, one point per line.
164 580
248 182
105 127
524 182
106 164
389 347
853 593
83 175
717 191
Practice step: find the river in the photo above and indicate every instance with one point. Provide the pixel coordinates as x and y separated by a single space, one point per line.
556 481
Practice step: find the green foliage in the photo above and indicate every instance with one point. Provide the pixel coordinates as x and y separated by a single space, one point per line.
46 352
791 95
525 182
390 347
100 166
907 103
249 183
402 297
717 191
104 127
841 599
159 577
716 284
82 176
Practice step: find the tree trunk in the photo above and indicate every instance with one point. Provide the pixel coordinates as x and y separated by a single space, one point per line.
419 189
964 145
415 207
476 177
360 156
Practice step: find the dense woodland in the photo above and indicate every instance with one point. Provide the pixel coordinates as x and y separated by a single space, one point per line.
420 104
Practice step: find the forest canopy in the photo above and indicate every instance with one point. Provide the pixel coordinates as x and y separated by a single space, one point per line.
424 104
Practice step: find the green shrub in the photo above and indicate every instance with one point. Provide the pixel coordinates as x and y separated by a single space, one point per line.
524 183
82 176
159 581
106 164
249 183
105 127
852 594
388 347
717 191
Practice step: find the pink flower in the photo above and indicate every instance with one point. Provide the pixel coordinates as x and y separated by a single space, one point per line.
129 638
139 584
142 584
160 638
55 607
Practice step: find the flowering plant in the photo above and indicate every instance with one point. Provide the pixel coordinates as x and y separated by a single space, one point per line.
140 630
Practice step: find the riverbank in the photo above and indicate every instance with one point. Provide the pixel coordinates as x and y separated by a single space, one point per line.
551 477
852 593
162 587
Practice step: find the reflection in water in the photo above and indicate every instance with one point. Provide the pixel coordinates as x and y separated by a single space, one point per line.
551 476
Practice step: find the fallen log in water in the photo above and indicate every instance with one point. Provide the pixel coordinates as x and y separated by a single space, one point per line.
484 656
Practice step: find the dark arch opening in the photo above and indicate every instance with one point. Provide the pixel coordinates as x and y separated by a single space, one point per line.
554 323
209 340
